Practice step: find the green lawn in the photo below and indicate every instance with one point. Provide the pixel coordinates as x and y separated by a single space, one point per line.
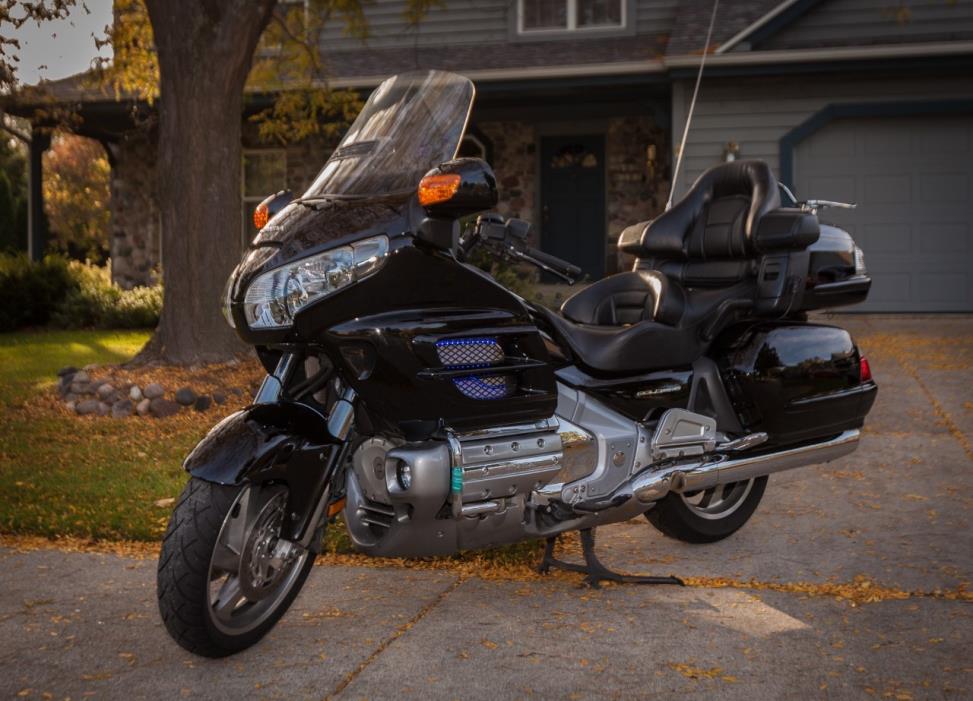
80 476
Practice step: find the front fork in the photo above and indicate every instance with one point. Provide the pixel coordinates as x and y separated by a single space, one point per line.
341 417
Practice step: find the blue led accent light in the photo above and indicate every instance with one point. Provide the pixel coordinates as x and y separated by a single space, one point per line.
469 353
490 387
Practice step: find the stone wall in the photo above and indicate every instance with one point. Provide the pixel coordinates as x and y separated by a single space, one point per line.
638 179
514 161
135 227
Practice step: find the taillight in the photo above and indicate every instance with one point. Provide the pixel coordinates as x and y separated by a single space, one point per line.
865 372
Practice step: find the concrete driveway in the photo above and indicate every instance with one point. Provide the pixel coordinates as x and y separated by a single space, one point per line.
849 582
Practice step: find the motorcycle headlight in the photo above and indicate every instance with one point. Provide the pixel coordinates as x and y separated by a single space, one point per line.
275 297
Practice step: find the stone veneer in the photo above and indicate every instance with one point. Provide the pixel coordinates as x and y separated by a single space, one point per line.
637 185
135 224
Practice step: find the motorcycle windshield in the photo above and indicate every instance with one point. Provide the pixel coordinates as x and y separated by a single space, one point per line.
410 123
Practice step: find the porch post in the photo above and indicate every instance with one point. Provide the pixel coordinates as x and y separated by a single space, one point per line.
36 219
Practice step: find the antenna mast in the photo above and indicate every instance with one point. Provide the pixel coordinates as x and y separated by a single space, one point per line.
692 106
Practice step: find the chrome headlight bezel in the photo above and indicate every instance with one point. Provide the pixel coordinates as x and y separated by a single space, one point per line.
273 298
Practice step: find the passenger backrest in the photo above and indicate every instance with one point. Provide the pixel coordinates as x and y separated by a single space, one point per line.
707 237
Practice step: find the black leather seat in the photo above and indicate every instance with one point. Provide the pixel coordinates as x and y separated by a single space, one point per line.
696 265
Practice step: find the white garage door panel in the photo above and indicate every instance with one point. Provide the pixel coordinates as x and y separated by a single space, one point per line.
913 181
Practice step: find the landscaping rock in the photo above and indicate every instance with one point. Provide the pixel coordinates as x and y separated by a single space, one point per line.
161 408
81 376
104 391
153 391
122 408
202 403
142 408
135 393
103 409
87 406
185 396
219 398
69 370
80 387
71 404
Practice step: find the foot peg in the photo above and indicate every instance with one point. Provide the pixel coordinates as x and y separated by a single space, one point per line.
596 572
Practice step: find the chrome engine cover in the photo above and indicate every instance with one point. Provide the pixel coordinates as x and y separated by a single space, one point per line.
501 469
510 477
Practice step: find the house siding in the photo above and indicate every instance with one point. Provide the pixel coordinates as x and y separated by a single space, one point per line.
863 22
757 112
471 22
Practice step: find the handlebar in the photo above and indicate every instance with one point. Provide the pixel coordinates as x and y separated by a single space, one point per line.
553 263
509 239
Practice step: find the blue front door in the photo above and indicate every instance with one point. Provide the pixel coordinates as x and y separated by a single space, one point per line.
573 200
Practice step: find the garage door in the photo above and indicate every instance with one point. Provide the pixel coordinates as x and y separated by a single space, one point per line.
913 181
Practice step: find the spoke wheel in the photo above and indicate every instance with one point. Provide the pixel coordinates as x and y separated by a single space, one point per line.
708 515
719 501
225 577
248 576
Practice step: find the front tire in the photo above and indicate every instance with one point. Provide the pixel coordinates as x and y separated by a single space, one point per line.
708 516
219 591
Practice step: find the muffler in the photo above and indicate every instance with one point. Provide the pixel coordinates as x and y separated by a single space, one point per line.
651 485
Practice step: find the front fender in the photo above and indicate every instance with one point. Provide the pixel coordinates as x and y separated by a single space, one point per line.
284 441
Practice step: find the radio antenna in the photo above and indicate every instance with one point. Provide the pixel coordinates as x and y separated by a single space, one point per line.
692 107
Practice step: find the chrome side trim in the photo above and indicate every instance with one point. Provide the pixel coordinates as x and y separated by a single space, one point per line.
651 485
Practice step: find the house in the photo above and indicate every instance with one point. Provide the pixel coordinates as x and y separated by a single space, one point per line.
582 103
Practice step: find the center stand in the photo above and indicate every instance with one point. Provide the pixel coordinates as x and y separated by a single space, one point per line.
596 572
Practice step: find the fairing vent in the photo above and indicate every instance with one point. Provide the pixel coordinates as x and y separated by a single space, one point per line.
473 354
457 353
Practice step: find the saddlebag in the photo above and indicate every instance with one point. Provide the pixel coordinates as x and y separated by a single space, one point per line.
796 382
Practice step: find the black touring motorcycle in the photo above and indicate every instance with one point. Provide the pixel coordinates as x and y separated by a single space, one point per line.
437 411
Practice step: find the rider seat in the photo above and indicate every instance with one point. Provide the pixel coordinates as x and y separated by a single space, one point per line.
698 266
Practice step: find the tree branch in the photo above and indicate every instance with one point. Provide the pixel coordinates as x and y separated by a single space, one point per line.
14 131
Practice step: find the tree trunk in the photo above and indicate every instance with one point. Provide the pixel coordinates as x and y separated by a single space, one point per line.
205 49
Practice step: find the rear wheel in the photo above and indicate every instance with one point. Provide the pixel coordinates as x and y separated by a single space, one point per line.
225 577
709 515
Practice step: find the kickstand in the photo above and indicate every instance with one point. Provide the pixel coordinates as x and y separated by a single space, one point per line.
596 572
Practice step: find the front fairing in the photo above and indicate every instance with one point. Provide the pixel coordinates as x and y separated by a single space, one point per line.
410 124
301 232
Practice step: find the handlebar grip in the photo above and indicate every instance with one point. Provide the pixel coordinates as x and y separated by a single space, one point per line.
553 262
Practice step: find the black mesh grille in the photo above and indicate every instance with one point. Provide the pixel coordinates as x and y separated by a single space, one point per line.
469 352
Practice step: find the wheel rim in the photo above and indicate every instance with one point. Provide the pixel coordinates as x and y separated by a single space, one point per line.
717 502
248 580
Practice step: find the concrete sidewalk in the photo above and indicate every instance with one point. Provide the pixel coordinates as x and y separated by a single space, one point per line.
895 515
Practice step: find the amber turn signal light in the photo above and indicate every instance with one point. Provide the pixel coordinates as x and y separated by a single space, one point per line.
261 215
434 189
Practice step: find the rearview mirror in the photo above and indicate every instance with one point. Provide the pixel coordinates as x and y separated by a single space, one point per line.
266 210
458 188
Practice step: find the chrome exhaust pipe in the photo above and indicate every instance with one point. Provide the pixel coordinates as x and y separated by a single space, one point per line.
651 485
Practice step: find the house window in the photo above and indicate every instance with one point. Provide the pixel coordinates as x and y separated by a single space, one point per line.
569 15
264 173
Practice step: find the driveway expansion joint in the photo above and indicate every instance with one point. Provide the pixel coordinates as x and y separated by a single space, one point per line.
396 634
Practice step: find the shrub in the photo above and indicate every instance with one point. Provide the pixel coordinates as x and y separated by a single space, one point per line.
31 292
94 301
70 295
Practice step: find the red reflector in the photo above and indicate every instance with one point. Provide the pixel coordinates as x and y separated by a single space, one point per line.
865 371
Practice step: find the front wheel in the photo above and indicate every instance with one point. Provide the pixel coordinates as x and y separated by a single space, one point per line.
225 577
708 515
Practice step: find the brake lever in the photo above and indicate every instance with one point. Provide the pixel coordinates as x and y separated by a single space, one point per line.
519 255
